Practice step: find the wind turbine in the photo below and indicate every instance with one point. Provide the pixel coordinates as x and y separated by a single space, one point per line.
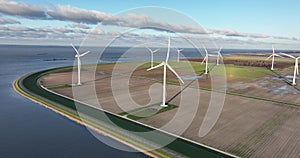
296 68
79 62
273 57
152 52
206 60
166 65
219 55
178 53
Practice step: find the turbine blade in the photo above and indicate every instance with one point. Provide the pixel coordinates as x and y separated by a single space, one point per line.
155 50
174 72
278 55
168 52
220 49
204 60
159 65
219 52
149 49
75 49
84 54
269 57
206 54
288 55
205 50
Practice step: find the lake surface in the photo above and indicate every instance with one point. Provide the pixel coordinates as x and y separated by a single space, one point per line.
31 130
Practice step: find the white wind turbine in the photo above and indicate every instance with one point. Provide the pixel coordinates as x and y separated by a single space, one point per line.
178 53
166 65
296 69
152 52
206 60
219 55
273 57
78 62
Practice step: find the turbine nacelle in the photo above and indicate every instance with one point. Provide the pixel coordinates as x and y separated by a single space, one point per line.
152 51
169 67
179 50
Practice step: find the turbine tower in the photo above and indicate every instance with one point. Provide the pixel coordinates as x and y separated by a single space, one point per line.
178 53
206 60
152 52
166 65
78 56
273 57
296 67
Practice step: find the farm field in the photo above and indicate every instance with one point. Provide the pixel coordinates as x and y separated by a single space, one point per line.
260 116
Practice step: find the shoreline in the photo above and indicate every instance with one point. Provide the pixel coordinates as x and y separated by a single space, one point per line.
135 145
79 121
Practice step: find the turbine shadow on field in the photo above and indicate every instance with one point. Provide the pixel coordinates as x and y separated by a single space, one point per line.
172 98
284 79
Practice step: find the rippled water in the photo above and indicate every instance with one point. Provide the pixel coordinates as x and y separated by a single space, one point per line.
30 130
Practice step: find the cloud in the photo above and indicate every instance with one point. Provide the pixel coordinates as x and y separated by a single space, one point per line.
233 33
45 33
146 22
78 15
8 21
78 25
70 13
84 16
286 38
22 9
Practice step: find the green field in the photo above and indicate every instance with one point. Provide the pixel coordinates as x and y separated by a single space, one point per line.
230 70
234 71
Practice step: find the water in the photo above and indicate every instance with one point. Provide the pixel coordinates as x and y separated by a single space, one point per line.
30 130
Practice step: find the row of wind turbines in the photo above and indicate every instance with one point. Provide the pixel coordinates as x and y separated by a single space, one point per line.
154 51
296 67
167 66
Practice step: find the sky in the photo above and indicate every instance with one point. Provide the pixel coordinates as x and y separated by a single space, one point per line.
228 23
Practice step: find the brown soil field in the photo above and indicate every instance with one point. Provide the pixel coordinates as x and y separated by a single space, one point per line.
247 127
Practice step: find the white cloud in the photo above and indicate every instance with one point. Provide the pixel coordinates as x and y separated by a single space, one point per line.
83 16
70 13
4 21
79 25
22 9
